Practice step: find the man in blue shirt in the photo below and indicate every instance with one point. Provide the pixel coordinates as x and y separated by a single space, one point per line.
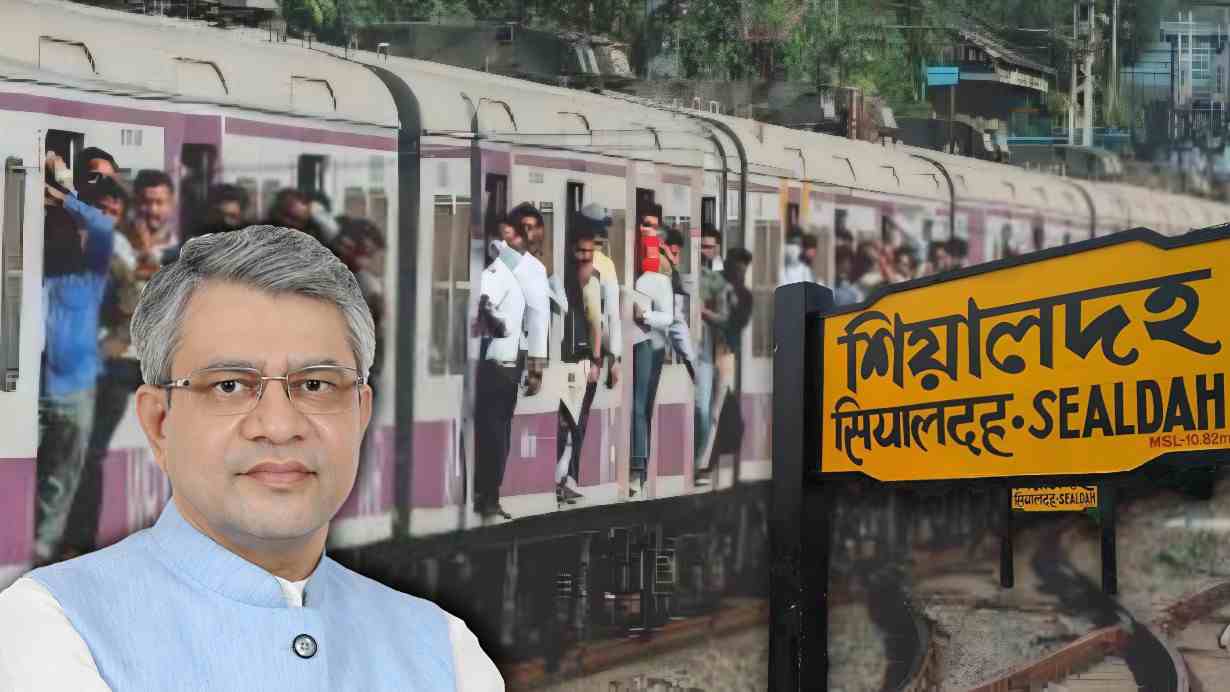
76 257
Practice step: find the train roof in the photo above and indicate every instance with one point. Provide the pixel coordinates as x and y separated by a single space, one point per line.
188 62
454 101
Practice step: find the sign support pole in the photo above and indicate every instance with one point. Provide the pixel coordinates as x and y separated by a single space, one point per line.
799 527
1107 513
1006 575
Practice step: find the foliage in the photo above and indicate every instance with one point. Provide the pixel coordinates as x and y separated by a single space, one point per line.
309 15
878 45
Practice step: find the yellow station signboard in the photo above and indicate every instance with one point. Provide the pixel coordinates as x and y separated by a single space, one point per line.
1094 361
1055 499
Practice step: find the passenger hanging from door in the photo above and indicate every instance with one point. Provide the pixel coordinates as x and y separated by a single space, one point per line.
653 310
578 294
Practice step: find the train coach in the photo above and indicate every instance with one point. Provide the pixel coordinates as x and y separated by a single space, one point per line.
431 156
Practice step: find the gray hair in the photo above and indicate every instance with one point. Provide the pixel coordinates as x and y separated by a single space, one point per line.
268 258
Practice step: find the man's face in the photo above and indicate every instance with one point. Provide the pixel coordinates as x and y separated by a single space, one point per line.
295 214
514 240
154 205
230 213
708 249
583 253
649 225
672 253
100 166
738 272
533 232
207 456
113 207
809 254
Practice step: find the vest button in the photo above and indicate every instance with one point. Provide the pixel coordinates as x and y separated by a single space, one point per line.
304 646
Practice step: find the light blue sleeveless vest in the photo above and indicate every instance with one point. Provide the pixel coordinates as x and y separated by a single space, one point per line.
169 609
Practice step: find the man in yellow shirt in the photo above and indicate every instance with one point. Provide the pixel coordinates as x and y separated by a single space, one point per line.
595 217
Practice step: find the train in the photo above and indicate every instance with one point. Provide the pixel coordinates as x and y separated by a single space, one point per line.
431 155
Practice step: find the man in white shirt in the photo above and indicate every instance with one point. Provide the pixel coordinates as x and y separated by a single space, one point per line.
532 276
796 262
256 345
501 316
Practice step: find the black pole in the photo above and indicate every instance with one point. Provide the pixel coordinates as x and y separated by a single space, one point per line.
952 111
1006 575
1106 507
799 520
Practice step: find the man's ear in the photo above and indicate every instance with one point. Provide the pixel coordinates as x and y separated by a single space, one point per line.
365 409
153 407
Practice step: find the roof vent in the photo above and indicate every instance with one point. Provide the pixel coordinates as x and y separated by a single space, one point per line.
66 56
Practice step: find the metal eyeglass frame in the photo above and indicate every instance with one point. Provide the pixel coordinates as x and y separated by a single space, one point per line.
186 383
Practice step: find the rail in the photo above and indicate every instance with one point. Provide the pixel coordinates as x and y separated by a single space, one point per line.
1058 665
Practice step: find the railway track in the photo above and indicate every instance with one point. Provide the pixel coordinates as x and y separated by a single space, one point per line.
1120 654
1194 624
735 615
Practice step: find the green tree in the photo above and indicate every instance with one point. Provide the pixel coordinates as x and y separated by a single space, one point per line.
309 15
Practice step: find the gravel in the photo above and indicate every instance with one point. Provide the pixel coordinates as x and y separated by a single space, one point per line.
733 663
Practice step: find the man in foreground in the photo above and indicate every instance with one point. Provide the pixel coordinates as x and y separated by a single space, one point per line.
255 346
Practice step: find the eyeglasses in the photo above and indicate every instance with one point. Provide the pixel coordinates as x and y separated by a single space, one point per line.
313 390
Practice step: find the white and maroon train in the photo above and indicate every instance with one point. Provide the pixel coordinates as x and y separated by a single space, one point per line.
429 153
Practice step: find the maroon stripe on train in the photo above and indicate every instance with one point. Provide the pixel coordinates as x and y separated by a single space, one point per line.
254 128
677 178
439 152
593 451
673 428
134 492
496 161
178 127
434 454
373 488
757 426
571 164
16 510
534 474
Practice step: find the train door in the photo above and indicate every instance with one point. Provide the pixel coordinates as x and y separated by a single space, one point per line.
20 275
311 176
198 163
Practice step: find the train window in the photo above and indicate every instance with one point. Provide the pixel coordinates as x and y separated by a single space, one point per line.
379 212
495 203
766 264
684 225
65 144
644 200
792 214
269 190
840 217
575 200
312 174
708 211
615 246
354 203
11 241
547 251
198 161
252 189
450 284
